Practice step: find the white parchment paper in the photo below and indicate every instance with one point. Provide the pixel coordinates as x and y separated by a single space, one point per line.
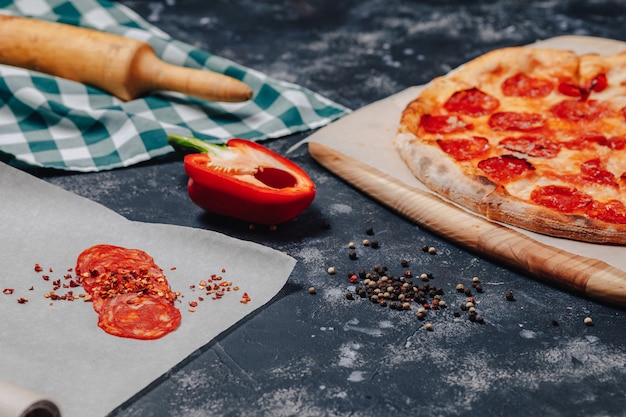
56 348
368 134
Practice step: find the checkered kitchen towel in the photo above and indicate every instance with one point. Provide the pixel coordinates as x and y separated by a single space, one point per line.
51 122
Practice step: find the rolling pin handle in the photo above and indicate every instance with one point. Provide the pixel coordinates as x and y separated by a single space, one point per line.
153 74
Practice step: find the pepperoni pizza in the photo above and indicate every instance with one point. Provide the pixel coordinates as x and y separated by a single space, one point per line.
129 292
534 138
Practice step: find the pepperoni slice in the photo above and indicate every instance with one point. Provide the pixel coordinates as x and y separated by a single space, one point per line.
107 270
513 121
599 83
587 141
471 102
522 85
572 90
612 211
463 149
129 292
579 110
594 171
444 124
560 198
504 168
617 143
132 316
536 146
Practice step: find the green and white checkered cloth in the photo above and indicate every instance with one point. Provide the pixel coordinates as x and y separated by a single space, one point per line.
51 122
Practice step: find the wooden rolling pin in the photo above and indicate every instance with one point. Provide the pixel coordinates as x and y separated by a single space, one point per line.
590 277
121 66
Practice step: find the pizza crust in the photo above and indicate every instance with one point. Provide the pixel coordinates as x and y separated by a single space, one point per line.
451 179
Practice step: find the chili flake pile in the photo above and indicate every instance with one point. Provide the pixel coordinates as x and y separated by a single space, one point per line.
66 288
215 288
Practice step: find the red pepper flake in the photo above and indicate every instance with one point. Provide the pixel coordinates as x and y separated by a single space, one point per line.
245 299
38 268
8 291
193 304
22 300
46 277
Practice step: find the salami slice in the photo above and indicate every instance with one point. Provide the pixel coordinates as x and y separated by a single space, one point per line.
612 211
521 122
137 317
537 146
463 149
471 102
563 199
579 110
504 168
120 281
444 124
522 85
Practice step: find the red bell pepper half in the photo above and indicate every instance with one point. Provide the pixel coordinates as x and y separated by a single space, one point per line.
244 180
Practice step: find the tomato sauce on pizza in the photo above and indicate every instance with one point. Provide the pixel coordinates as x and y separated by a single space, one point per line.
535 138
129 292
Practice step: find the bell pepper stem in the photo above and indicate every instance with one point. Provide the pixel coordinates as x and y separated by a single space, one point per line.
195 145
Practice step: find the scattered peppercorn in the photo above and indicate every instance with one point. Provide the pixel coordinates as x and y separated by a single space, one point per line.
331 271
312 290
509 295
369 231
374 244
588 321
352 255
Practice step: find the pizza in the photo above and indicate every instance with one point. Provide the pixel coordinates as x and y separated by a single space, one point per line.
529 137
129 292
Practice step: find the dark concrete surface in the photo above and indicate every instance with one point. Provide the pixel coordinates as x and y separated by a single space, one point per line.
325 355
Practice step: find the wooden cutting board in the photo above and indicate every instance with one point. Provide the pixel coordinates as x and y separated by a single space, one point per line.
359 149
